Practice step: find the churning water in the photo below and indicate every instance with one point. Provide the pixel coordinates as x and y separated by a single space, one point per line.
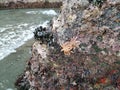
17 26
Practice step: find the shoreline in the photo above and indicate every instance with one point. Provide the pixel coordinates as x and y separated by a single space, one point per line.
12 65
26 5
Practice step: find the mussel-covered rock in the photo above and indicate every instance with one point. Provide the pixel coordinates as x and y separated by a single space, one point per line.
97 2
44 35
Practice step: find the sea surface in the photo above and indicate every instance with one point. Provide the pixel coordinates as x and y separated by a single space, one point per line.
16 39
17 26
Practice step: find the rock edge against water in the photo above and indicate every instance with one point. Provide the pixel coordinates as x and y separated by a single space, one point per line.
85 50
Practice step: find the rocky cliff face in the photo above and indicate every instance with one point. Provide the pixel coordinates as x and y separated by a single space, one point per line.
84 53
4 1
12 4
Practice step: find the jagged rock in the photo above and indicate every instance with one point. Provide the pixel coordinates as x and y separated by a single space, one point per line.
85 55
12 4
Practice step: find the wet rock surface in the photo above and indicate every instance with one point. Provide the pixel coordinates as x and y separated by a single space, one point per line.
85 54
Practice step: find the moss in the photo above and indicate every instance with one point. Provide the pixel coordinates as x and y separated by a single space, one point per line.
96 48
118 62
99 38
103 64
82 46
95 58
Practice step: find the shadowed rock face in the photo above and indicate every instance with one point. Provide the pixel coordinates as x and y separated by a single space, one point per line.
85 54
27 4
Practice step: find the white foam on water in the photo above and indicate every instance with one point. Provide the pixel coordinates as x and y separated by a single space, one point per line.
9 89
32 12
10 40
4 29
1 85
45 12
44 24
49 12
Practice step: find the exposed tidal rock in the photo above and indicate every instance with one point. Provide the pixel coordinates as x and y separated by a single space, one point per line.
85 54
14 4
35 67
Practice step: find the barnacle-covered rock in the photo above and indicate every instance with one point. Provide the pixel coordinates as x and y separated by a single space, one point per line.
86 52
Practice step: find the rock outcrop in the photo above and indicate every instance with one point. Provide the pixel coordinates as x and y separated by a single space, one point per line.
14 4
85 52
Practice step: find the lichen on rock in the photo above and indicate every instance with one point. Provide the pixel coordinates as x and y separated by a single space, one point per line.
85 52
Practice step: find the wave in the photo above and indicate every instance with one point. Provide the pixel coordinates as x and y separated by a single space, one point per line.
49 12
2 29
46 12
32 12
12 38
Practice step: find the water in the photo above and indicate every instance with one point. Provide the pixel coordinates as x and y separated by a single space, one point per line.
17 26
16 31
